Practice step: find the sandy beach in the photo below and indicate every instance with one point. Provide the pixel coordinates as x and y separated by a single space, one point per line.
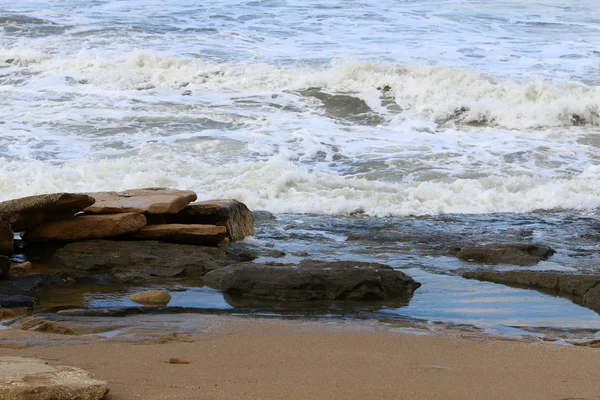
242 358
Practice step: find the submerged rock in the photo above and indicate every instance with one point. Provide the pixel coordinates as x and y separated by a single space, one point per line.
232 214
151 297
28 212
315 280
87 227
17 301
516 254
34 379
142 259
206 235
586 287
150 201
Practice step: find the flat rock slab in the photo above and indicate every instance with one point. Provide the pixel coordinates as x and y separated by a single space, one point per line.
150 201
206 235
232 214
515 254
34 379
314 280
87 227
28 212
586 287
130 261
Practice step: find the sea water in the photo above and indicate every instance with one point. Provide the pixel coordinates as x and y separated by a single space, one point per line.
320 109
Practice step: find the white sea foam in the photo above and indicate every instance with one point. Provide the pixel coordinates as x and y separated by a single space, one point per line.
282 186
427 93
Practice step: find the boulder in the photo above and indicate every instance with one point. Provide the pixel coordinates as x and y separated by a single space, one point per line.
34 379
315 280
28 212
229 213
4 266
206 235
6 237
142 259
516 254
151 297
586 287
150 201
86 227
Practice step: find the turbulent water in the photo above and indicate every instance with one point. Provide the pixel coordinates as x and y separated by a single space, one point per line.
335 108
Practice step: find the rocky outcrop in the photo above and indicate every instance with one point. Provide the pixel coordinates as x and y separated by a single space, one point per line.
586 287
232 214
204 235
516 254
315 280
27 212
34 379
150 201
151 297
139 260
6 237
86 227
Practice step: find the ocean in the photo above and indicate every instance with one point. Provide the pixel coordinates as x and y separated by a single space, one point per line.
469 119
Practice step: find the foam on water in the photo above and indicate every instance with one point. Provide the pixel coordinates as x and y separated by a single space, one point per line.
422 107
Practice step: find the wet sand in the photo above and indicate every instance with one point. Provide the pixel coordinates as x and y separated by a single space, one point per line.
242 358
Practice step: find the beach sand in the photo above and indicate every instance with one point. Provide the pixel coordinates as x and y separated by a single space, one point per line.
245 358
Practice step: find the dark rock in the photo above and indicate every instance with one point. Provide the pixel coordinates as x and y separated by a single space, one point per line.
586 287
229 213
516 254
28 212
315 280
4 266
6 237
143 258
14 301
263 216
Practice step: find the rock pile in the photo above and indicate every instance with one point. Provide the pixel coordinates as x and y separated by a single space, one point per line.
155 213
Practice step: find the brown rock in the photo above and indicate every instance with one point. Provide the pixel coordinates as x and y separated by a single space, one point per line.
34 379
150 201
229 213
177 360
151 297
20 268
8 313
87 227
206 235
28 212
6 237
516 254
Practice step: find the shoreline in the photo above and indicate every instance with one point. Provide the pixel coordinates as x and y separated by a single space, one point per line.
247 358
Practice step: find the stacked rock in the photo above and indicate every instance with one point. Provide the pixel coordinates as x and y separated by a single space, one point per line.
154 213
